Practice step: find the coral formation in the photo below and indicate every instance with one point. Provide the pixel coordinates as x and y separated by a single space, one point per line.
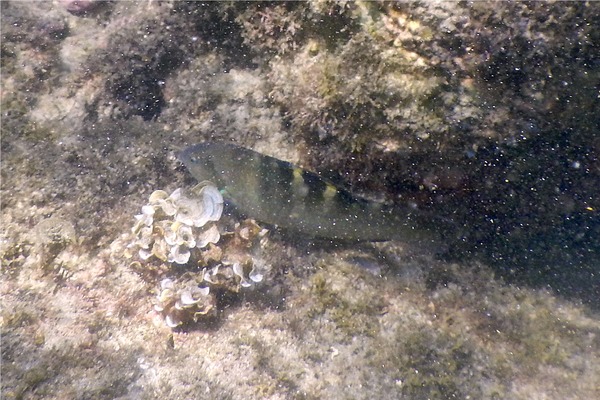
170 226
193 296
182 228
184 301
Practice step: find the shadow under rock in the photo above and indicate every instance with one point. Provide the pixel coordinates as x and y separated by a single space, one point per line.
564 257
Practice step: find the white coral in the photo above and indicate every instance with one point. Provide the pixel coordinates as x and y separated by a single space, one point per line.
210 235
181 302
170 226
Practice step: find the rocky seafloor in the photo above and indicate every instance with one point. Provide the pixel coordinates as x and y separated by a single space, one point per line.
483 113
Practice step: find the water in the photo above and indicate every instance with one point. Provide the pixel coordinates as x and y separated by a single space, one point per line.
482 114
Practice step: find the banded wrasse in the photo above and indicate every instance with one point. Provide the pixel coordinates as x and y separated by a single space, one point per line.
276 192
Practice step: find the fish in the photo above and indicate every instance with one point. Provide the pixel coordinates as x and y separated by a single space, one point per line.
278 193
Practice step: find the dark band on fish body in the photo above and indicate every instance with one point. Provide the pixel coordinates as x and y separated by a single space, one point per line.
279 193
316 188
276 175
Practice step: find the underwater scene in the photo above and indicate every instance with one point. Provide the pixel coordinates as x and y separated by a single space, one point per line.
300 200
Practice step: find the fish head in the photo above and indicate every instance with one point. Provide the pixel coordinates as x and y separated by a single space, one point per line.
249 180
201 163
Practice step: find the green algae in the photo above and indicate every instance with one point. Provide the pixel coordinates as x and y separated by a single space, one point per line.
353 312
13 257
430 365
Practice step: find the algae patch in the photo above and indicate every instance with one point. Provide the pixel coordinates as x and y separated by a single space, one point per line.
181 240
